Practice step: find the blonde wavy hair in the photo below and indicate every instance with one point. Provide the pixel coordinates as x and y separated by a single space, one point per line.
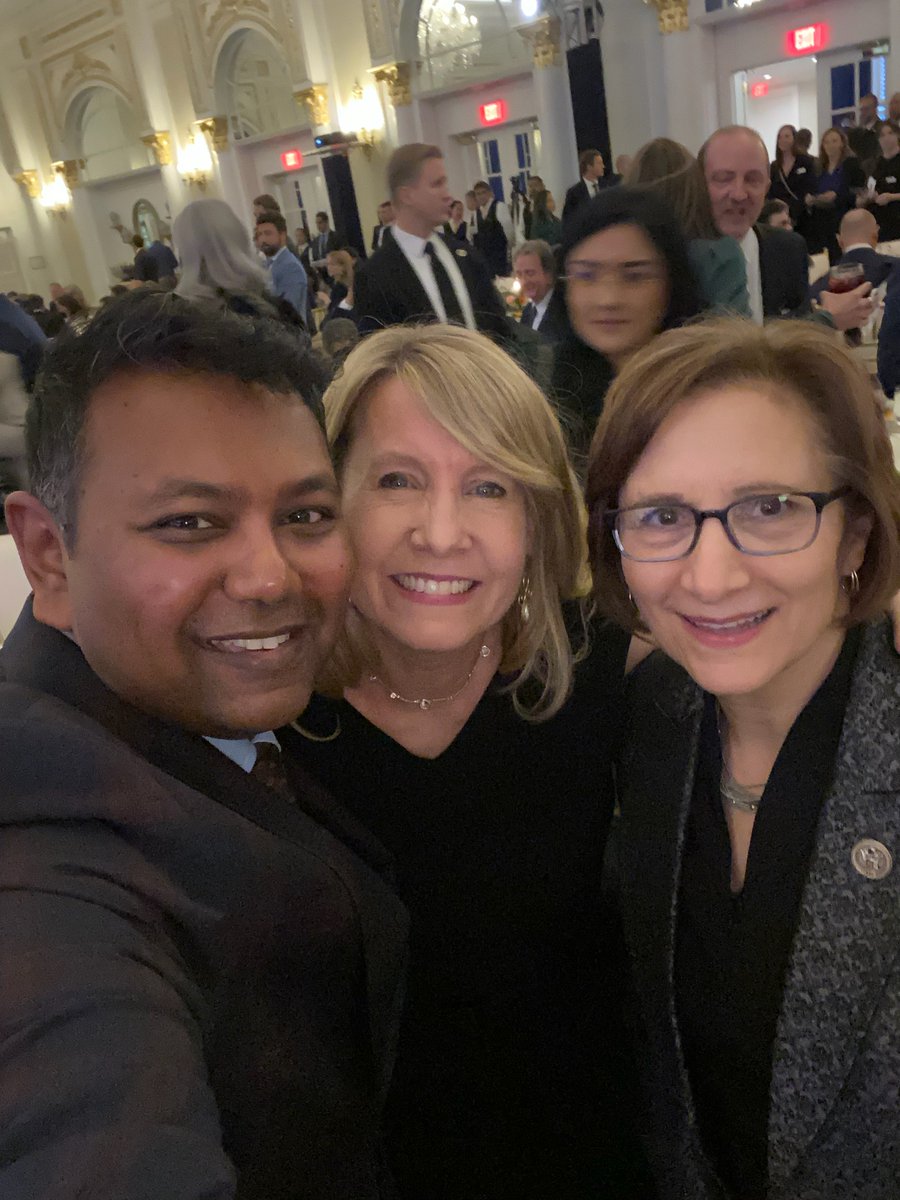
475 391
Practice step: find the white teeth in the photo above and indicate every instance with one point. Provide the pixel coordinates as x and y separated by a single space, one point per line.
727 626
271 643
435 587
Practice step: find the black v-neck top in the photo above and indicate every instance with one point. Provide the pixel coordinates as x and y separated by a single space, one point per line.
732 952
511 1068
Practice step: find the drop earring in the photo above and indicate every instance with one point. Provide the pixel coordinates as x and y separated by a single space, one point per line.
523 598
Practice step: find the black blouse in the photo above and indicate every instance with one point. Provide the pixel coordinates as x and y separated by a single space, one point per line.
794 187
732 952
887 179
511 1081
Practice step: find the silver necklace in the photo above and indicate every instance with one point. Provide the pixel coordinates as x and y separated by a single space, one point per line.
738 796
743 798
425 703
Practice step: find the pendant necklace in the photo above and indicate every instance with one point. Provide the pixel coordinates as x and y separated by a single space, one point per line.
424 703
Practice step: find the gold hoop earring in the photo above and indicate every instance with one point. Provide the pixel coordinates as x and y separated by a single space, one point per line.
523 598
850 583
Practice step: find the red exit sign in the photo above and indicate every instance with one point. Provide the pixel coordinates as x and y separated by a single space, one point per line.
809 39
292 160
758 90
493 112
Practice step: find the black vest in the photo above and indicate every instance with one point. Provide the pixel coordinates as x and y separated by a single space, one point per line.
490 240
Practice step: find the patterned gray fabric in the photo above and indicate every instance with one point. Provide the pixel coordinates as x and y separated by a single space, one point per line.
834 1129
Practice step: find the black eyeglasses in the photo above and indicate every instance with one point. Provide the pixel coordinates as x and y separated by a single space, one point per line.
764 525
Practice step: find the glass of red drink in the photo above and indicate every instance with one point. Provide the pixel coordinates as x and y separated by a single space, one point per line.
844 277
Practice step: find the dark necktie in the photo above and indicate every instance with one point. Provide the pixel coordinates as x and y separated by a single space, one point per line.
445 287
529 312
269 771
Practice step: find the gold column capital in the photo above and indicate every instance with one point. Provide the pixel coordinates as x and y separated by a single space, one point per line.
316 100
398 77
70 170
215 130
672 14
160 143
544 38
30 182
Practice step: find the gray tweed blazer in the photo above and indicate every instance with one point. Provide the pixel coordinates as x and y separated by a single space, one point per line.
834 1125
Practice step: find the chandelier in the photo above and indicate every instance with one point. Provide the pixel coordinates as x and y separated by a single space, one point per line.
449 38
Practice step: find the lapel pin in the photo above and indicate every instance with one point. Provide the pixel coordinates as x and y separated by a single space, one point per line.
872 859
462 253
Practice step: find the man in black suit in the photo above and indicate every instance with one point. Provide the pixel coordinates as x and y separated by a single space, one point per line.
385 222
535 268
863 137
324 241
858 239
735 162
201 954
590 168
417 275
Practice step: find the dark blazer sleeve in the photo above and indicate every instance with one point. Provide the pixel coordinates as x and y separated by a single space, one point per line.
574 197
103 1088
490 315
889 338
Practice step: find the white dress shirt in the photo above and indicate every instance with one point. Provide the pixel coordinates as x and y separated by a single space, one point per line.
413 249
540 309
750 246
592 186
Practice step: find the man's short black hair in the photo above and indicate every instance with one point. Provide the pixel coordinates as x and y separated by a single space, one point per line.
322 216
267 201
272 218
151 330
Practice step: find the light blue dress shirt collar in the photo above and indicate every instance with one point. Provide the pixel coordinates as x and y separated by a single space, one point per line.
242 751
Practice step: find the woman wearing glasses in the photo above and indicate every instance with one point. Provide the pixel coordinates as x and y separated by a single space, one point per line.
627 277
745 510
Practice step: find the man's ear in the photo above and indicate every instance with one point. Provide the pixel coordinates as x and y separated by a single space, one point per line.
42 551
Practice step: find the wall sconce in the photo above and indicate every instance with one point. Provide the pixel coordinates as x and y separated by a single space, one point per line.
365 117
55 196
195 162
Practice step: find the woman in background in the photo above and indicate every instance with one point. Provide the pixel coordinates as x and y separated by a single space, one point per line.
670 170
885 203
792 174
339 301
628 277
545 226
839 181
746 511
456 228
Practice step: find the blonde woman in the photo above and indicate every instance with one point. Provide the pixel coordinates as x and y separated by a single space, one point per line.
471 742
339 302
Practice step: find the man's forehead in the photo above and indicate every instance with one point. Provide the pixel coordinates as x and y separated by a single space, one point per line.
737 148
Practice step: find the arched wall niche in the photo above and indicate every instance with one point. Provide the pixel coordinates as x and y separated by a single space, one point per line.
252 82
103 129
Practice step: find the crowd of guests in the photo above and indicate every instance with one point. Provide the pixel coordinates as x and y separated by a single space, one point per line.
468 769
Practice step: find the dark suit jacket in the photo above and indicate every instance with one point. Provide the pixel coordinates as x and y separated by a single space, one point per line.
878 268
375 235
865 145
201 982
835 1112
332 242
784 268
577 195
889 337
555 324
387 291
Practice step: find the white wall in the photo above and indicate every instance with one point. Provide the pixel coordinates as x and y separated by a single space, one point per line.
808 114
120 195
766 115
